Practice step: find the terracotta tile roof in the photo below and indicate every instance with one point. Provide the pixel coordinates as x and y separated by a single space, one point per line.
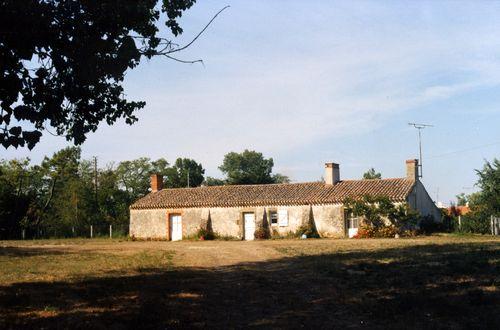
458 210
275 194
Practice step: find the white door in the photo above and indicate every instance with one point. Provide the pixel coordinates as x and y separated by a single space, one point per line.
176 227
249 226
353 227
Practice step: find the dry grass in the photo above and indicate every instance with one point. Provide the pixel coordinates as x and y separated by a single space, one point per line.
436 282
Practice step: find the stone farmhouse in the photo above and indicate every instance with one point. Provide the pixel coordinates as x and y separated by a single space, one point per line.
237 210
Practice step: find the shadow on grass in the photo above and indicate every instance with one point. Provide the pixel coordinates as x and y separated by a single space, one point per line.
9 251
436 286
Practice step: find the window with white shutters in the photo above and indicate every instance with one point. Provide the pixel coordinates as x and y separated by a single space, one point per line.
283 218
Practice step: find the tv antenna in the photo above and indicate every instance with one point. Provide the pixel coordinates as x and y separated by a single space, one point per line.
420 127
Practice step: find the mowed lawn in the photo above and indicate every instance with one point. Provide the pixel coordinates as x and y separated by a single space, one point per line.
428 282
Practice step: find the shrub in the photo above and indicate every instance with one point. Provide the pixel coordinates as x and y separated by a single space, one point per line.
205 234
262 233
370 231
307 229
381 218
428 226
475 222
387 232
221 237
449 221
364 232
288 235
403 218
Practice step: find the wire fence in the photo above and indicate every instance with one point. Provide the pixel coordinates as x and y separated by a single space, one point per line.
89 231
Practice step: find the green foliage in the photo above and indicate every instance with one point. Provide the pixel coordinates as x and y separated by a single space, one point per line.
484 203
462 199
427 226
370 231
308 230
372 174
288 235
489 182
205 234
221 237
476 222
280 178
64 62
381 217
60 196
250 167
14 197
210 181
262 233
177 175
449 220
134 175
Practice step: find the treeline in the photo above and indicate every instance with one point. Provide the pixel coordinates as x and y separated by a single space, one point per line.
483 204
65 194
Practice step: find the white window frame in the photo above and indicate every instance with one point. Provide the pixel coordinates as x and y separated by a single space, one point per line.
271 212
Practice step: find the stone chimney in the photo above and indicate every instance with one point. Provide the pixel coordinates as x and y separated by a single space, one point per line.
332 173
156 182
412 169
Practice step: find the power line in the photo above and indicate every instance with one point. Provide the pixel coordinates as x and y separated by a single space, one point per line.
466 149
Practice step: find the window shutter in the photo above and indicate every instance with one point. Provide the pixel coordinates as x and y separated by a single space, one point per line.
283 218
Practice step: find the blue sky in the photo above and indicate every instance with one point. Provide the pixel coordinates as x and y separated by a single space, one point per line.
307 82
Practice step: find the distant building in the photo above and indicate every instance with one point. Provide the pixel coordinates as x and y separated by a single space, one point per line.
237 210
458 210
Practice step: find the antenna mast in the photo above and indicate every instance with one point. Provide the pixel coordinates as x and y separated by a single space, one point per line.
420 127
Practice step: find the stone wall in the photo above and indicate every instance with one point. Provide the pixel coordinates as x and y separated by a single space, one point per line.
228 221
148 223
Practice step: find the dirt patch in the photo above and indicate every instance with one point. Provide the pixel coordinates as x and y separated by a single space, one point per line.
430 282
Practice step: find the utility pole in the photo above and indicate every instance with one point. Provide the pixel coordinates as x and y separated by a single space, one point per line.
420 127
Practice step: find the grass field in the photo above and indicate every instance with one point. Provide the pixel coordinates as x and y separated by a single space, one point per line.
429 282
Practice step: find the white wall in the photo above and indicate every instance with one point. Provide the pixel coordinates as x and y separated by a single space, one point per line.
420 200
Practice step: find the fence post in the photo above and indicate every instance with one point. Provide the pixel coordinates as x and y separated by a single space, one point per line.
110 231
91 231
73 230
491 225
24 234
459 222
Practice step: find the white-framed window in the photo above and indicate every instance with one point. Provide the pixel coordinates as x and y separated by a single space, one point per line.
273 218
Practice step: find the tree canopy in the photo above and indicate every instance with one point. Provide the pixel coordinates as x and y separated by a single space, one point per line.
65 193
133 175
485 202
183 170
489 182
63 63
372 174
250 167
